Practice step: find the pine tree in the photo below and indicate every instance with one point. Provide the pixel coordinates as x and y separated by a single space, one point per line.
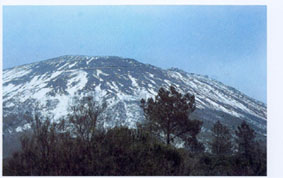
246 145
245 140
221 141
168 114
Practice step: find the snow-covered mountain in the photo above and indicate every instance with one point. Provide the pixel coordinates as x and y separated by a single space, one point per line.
121 82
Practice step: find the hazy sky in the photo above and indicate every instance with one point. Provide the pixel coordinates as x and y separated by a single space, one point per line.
227 43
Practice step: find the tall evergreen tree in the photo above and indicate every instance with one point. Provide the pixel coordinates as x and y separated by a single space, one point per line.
221 141
168 114
246 145
245 140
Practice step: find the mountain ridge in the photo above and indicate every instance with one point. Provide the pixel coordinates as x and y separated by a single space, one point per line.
122 83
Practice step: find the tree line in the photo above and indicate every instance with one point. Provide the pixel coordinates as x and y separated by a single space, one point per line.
80 145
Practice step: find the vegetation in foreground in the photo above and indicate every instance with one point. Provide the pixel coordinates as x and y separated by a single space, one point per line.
80 146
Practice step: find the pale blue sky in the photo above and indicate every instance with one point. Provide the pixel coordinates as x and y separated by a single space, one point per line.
227 43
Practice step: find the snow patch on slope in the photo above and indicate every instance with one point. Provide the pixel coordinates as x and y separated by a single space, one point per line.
77 82
134 81
14 73
99 72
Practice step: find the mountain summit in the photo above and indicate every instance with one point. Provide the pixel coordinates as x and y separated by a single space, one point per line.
122 83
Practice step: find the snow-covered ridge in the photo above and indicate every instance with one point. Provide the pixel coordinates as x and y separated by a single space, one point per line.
122 82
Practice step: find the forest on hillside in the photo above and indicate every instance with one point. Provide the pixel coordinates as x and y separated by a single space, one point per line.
166 143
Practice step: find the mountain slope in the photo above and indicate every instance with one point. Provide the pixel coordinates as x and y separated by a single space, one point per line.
121 82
